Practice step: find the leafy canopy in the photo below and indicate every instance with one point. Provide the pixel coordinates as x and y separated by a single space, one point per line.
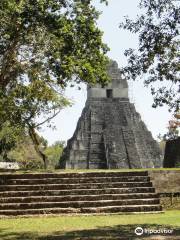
44 45
54 153
25 154
50 41
158 54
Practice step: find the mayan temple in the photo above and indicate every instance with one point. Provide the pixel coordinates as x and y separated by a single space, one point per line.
110 133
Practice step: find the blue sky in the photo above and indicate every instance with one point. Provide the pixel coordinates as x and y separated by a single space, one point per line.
118 41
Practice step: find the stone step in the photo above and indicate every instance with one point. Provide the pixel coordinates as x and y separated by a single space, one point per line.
83 193
74 180
95 210
78 204
69 198
74 186
87 191
72 175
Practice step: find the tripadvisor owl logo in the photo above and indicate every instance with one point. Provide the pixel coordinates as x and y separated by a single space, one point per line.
139 231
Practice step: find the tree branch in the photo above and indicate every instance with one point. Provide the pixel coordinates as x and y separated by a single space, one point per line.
48 119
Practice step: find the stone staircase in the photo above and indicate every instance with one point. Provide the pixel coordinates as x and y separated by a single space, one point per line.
77 193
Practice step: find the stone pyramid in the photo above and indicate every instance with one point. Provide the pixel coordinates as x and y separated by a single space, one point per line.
110 133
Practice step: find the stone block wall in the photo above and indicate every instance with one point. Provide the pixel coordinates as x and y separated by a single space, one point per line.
165 181
170 201
172 154
110 132
167 185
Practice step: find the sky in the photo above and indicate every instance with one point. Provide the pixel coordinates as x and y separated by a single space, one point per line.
118 41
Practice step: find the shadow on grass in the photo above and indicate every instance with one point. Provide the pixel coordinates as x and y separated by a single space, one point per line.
120 232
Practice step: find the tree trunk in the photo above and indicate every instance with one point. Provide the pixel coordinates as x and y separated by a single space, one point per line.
36 143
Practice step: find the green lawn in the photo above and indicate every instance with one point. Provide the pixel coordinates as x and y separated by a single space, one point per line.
89 170
87 227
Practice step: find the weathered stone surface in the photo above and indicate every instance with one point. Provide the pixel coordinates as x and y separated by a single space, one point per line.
110 133
82 193
172 154
166 181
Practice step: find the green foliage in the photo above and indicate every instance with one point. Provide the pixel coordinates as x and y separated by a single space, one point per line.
43 45
158 55
8 137
54 153
50 42
171 134
178 165
25 154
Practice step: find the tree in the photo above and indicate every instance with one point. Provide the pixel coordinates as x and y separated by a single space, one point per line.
9 136
25 154
173 128
28 110
50 41
44 45
54 153
158 55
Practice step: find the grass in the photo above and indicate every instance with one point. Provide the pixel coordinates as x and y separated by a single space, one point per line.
87 227
89 170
